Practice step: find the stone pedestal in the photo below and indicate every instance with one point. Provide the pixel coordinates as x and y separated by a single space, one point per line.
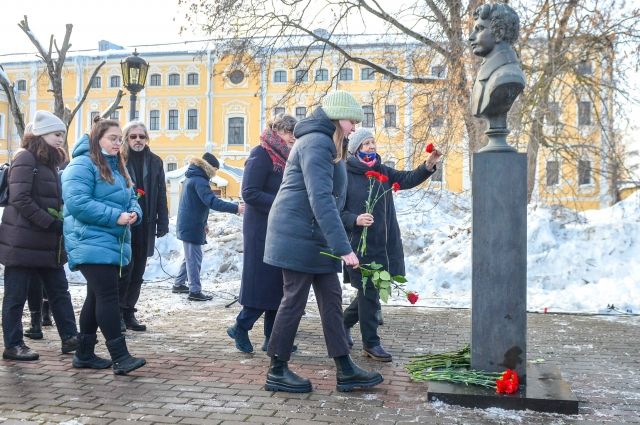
499 257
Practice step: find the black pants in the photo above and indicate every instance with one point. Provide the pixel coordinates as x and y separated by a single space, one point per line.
328 292
248 316
131 281
363 309
16 288
100 307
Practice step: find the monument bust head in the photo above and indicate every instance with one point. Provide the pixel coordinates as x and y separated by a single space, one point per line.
500 79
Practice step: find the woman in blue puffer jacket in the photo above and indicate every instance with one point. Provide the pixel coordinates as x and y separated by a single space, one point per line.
99 207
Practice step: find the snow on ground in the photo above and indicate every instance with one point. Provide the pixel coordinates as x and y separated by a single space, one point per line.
578 262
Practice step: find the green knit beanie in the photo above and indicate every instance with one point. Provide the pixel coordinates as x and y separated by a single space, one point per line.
340 105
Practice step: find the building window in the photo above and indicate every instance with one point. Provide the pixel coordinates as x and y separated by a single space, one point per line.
192 119
437 176
155 80
553 114
301 112
278 110
173 119
236 131
584 172
584 68
345 74
437 121
172 166
367 74
115 115
154 120
390 116
97 82
438 71
136 115
236 76
114 81
393 69
322 74
369 120
553 173
584 113
2 136
280 76
302 75
93 115
193 79
174 79
22 85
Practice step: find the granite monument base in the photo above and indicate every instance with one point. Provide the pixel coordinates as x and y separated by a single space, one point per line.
546 391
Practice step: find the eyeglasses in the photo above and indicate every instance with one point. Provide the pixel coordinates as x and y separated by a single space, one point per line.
137 136
117 141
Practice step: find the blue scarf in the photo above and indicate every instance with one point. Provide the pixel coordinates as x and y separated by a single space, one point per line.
367 157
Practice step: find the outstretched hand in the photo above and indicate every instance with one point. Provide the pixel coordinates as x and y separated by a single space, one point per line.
434 157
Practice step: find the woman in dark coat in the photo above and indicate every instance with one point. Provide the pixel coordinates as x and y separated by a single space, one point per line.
384 244
31 246
261 288
305 221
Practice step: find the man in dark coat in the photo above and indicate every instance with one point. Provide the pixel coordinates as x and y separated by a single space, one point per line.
384 243
31 245
196 201
147 173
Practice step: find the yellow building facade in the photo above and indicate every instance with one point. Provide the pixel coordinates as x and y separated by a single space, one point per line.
194 102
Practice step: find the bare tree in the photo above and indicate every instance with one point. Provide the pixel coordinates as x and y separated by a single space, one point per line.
54 63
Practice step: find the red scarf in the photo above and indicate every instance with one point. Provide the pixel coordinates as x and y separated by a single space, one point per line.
277 149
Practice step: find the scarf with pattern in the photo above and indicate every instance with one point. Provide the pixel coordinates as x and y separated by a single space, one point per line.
277 149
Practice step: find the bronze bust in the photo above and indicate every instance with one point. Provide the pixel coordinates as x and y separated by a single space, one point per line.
500 79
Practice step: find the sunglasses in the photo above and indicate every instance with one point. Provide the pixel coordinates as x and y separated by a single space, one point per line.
137 136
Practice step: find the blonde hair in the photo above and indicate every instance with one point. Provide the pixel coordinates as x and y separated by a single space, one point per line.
338 140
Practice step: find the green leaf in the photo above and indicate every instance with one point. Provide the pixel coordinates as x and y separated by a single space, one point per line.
55 213
364 283
376 276
384 296
375 266
400 279
384 275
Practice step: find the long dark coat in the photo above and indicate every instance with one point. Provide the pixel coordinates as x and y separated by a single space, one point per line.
261 283
26 236
154 202
384 242
305 216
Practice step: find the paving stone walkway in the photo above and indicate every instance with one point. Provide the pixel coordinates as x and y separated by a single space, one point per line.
194 374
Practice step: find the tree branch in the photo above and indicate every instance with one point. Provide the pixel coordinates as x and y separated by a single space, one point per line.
114 105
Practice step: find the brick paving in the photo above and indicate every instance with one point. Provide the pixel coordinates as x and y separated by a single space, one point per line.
194 374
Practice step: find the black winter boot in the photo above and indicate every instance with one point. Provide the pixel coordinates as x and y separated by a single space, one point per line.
35 331
280 378
350 376
123 362
241 336
123 326
85 357
46 314
69 344
132 323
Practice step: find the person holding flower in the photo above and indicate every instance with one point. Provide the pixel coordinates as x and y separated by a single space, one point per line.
305 221
375 235
100 206
31 248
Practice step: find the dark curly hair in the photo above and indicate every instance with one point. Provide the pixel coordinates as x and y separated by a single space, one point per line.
505 23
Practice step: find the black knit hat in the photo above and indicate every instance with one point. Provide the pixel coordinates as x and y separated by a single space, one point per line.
212 160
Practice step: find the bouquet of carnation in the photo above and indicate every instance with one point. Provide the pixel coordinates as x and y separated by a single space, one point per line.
372 199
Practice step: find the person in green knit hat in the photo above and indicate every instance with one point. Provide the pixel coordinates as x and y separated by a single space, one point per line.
305 221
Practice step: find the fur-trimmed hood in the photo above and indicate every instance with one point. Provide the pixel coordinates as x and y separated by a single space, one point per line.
204 165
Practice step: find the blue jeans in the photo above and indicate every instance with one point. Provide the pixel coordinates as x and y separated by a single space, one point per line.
190 267
16 288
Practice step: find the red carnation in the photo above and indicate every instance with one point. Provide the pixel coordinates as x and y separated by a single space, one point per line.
396 186
140 193
382 178
372 174
509 383
412 297
430 148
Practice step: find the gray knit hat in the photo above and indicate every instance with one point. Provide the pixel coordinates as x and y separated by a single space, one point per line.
45 122
357 139
341 105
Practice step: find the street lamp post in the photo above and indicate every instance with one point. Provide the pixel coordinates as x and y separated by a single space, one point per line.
134 75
